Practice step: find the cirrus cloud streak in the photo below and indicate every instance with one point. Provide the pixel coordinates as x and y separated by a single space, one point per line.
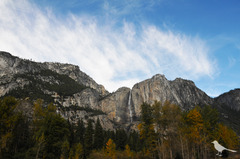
113 56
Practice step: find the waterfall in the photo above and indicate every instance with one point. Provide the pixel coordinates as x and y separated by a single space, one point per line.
129 105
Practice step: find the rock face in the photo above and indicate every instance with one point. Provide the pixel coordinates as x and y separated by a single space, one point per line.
181 92
11 65
78 96
48 81
116 105
230 99
74 72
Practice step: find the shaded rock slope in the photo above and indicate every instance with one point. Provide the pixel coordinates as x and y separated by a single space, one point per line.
78 96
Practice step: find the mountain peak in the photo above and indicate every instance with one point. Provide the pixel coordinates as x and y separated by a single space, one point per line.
77 93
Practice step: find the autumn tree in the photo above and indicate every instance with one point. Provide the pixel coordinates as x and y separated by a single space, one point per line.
227 137
111 149
194 124
128 151
167 119
79 152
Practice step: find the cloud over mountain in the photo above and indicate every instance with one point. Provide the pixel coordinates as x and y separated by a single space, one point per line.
113 55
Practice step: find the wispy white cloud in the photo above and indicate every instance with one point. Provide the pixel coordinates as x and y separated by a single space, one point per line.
114 57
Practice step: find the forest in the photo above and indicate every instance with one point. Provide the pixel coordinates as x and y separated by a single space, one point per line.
164 132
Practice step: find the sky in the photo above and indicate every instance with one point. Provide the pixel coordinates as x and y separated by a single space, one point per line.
120 43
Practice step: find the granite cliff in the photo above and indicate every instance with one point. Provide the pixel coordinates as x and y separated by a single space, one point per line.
78 96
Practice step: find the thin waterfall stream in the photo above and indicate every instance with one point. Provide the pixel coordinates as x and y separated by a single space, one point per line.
129 105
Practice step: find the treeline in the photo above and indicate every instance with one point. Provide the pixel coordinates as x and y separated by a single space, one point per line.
167 132
48 135
164 132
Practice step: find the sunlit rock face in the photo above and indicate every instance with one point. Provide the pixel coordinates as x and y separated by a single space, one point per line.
11 65
116 105
119 109
74 72
181 92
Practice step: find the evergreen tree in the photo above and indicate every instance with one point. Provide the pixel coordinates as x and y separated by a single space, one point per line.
51 131
88 138
98 136
65 150
147 132
121 139
72 137
21 138
56 133
8 120
80 131
134 141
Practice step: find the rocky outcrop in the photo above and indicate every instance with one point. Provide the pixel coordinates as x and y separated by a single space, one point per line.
230 99
181 92
74 115
116 105
189 94
11 65
74 72
88 98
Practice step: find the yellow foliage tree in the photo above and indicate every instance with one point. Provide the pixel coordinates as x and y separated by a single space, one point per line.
227 136
195 124
111 149
78 151
128 151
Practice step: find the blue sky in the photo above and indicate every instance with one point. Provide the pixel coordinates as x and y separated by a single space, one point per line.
120 43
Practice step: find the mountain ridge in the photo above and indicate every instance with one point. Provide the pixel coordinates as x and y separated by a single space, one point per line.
119 109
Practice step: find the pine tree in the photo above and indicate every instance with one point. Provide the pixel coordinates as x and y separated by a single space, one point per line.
98 136
134 141
88 138
8 120
80 131
147 132
121 139
65 150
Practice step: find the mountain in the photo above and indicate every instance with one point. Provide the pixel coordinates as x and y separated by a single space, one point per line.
77 95
63 84
228 104
230 99
181 92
